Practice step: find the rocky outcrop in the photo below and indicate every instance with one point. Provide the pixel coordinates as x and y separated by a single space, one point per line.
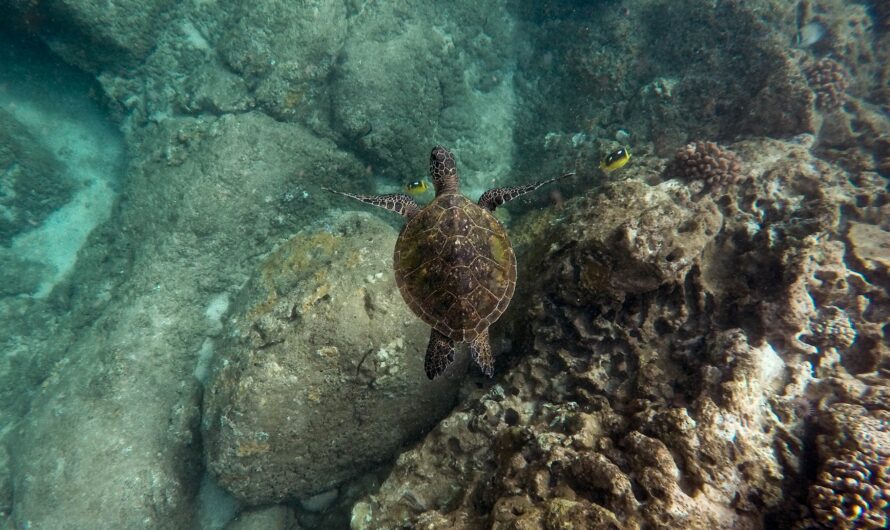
321 375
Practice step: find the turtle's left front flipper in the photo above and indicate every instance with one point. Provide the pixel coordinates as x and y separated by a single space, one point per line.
394 202
493 198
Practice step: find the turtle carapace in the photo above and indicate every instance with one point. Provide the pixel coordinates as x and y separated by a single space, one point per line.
454 263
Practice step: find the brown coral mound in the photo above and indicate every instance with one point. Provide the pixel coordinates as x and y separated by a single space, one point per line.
708 162
828 79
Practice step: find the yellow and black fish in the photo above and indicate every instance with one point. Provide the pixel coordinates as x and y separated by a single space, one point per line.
417 187
615 160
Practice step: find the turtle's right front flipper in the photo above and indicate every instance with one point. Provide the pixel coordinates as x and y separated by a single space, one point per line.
395 202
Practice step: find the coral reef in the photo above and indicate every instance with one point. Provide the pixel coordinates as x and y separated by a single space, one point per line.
828 79
707 162
852 486
667 403
850 492
680 354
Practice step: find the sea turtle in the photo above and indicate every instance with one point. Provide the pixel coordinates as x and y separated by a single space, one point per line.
453 262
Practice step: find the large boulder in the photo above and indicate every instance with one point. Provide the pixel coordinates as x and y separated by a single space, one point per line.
321 376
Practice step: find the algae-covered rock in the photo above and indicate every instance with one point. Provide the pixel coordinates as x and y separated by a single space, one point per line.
632 238
94 33
32 181
19 275
111 433
322 376
392 106
284 51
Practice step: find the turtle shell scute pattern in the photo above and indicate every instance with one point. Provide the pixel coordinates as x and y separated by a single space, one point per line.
455 267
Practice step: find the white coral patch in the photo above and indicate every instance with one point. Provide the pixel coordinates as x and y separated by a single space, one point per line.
217 307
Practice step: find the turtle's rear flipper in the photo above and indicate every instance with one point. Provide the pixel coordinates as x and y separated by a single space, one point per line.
493 198
480 351
439 354
394 202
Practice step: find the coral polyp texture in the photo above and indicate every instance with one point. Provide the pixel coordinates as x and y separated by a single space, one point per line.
709 163
829 81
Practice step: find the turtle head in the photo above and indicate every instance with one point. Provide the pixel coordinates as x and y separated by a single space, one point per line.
443 170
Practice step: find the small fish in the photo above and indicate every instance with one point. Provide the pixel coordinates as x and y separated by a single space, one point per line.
417 187
615 160
810 34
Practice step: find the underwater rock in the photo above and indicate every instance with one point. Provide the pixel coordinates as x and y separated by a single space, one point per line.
33 183
671 403
393 106
284 51
870 246
94 33
268 518
112 425
6 491
321 376
784 106
369 100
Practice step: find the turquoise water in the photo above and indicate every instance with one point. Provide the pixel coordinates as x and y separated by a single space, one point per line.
663 305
